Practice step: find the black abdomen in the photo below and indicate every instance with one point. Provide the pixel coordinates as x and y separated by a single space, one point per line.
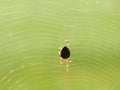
65 52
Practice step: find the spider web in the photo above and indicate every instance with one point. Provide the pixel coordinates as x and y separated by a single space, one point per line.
32 31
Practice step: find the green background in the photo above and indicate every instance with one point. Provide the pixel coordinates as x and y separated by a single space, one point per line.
31 32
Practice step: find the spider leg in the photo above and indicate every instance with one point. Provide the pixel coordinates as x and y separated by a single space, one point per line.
59 51
61 61
70 60
67 43
67 65
60 48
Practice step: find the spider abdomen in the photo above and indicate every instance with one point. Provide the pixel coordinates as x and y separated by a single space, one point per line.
65 52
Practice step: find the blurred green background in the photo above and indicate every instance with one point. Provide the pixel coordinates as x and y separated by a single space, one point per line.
31 32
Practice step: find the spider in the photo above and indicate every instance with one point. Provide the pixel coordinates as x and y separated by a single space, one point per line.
64 54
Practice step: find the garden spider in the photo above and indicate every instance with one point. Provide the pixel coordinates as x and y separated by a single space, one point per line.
64 54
